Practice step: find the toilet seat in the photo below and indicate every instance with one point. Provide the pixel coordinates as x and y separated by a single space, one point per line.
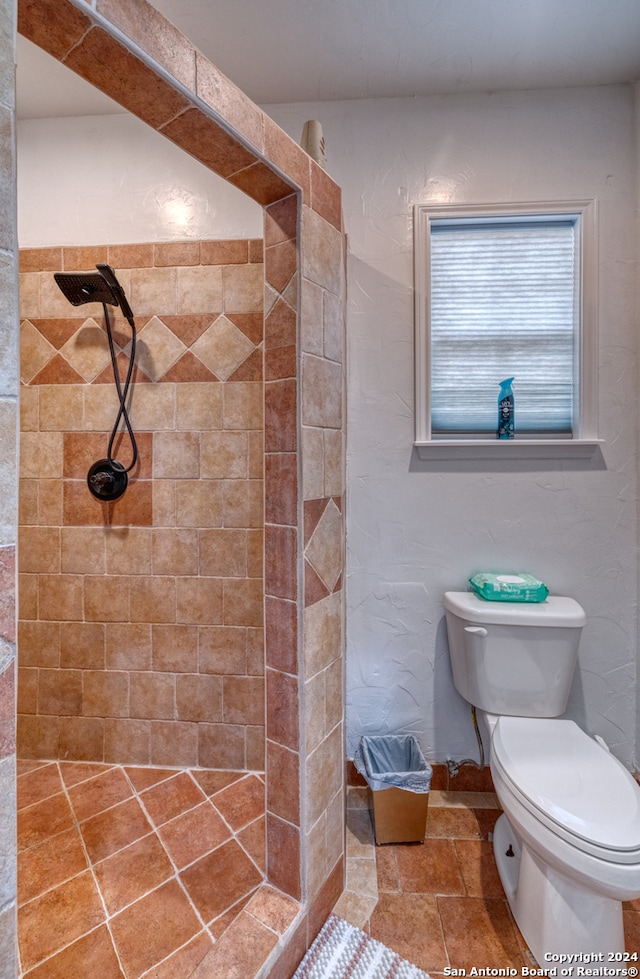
570 783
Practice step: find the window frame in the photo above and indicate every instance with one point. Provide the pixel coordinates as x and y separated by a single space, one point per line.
584 439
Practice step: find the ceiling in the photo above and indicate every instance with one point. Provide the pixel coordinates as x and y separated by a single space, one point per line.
314 50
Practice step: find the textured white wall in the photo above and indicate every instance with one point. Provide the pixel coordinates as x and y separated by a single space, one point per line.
91 180
417 529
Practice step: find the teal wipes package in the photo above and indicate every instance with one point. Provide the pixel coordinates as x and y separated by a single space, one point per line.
521 587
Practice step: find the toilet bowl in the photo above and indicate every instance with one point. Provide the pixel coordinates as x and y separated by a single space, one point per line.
567 846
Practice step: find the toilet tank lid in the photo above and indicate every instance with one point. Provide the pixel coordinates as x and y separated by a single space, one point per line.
554 611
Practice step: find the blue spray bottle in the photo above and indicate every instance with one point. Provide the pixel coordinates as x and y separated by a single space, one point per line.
506 411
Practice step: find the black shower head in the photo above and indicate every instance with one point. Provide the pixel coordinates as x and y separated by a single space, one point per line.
94 287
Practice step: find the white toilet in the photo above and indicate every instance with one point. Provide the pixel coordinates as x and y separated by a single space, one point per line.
567 845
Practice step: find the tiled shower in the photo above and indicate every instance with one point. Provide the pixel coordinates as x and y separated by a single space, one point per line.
141 634
201 617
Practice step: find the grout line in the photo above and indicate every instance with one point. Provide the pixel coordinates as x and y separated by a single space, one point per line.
90 863
176 872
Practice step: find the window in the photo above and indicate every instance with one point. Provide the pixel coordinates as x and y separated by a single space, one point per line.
506 292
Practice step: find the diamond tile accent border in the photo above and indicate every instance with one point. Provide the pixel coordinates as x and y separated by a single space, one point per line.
226 343
324 548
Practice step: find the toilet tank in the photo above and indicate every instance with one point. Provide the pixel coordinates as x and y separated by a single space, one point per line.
514 657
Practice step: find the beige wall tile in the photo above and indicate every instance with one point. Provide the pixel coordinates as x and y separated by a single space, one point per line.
29 294
311 318
223 347
39 549
242 502
313 463
35 351
243 602
174 743
322 633
321 392
199 601
334 479
243 700
199 289
243 288
128 550
199 698
153 408
152 292
223 553
39 643
325 548
223 649
176 455
164 503
334 679
175 648
29 404
50 500
82 645
61 407
333 321
106 598
324 774
158 349
198 503
40 453
87 351
60 597
315 694
28 502
321 250
175 551
224 455
128 646
152 695
198 407
127 738
243 405
153 599
100 407
83 550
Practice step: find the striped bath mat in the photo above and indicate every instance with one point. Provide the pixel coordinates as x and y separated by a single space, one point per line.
343 952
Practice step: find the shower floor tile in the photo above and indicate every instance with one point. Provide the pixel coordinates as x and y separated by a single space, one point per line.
133 872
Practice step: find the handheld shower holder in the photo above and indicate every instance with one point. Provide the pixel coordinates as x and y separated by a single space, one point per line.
107 479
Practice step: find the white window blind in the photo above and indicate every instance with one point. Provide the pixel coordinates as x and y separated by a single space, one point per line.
504 302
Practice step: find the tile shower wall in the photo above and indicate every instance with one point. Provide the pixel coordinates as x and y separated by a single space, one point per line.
141 630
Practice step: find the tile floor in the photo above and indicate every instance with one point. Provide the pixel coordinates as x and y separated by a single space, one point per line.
439 904
126 871
134 872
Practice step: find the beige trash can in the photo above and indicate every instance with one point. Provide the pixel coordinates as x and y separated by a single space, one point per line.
399 779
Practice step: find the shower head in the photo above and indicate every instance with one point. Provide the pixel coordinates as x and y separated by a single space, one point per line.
94 287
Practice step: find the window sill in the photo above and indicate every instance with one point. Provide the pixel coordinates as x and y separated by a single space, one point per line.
508 448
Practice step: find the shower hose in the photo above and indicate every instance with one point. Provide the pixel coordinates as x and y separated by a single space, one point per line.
122 391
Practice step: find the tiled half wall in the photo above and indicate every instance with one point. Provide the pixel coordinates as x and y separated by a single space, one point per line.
141 633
